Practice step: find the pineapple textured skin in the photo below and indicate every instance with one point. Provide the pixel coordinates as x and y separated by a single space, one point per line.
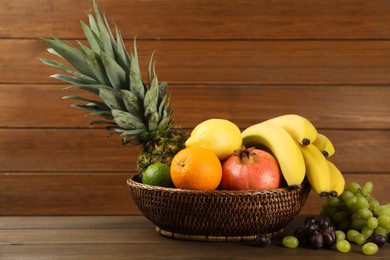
161 149
138 110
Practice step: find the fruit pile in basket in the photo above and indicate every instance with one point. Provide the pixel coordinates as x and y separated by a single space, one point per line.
279 152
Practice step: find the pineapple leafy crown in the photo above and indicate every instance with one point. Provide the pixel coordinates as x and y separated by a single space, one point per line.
137 111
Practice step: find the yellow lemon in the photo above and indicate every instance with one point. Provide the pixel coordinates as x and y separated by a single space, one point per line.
221 136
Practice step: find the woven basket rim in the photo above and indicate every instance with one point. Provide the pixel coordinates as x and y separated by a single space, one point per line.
132 182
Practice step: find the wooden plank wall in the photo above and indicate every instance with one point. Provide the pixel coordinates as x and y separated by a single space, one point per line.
243 60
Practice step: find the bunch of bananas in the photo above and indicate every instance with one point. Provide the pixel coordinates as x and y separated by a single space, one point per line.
300 150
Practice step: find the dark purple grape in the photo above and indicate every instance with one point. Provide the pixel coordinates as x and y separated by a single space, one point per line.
311 227
379 240
316 240
310 220
262 240
332 227
301 233
329 237
324 223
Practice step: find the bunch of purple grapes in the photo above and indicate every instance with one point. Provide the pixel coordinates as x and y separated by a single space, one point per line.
317 232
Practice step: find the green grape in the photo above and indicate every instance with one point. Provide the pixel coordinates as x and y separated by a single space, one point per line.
372 222
351 234
339 216
360 239
353 187
352 205
367 231
367 188
379 209
334 201
373 203
354 208
323 213
381 231
346 195
370 248
328 210
362 202
384 210
355 215
344 225
332 211
350 201
365 213
358 224
384 221
290 241
343 246
340 235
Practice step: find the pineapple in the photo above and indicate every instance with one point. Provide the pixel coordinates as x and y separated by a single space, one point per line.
139 112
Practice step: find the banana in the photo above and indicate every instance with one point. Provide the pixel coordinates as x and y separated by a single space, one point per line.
324 144
337 179
300 128
317 170
282 146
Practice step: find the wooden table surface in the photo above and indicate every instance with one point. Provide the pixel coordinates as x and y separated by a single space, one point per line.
134 237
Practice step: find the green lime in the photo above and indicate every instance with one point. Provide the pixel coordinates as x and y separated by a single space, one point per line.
158 174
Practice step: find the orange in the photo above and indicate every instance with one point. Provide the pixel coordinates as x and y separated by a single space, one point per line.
196 168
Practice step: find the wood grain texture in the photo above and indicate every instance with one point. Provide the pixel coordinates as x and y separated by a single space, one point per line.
229 62
51 150
79 193
175 250
76 239
343 107
65 194
74 222
203 19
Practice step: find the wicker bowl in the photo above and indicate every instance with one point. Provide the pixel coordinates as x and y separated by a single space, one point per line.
217 215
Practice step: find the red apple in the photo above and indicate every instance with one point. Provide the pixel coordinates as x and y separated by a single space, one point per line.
251 169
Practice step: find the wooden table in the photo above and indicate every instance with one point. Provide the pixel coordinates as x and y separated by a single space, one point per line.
133 237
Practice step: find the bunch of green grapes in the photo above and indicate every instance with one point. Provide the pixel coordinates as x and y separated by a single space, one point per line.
359 215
